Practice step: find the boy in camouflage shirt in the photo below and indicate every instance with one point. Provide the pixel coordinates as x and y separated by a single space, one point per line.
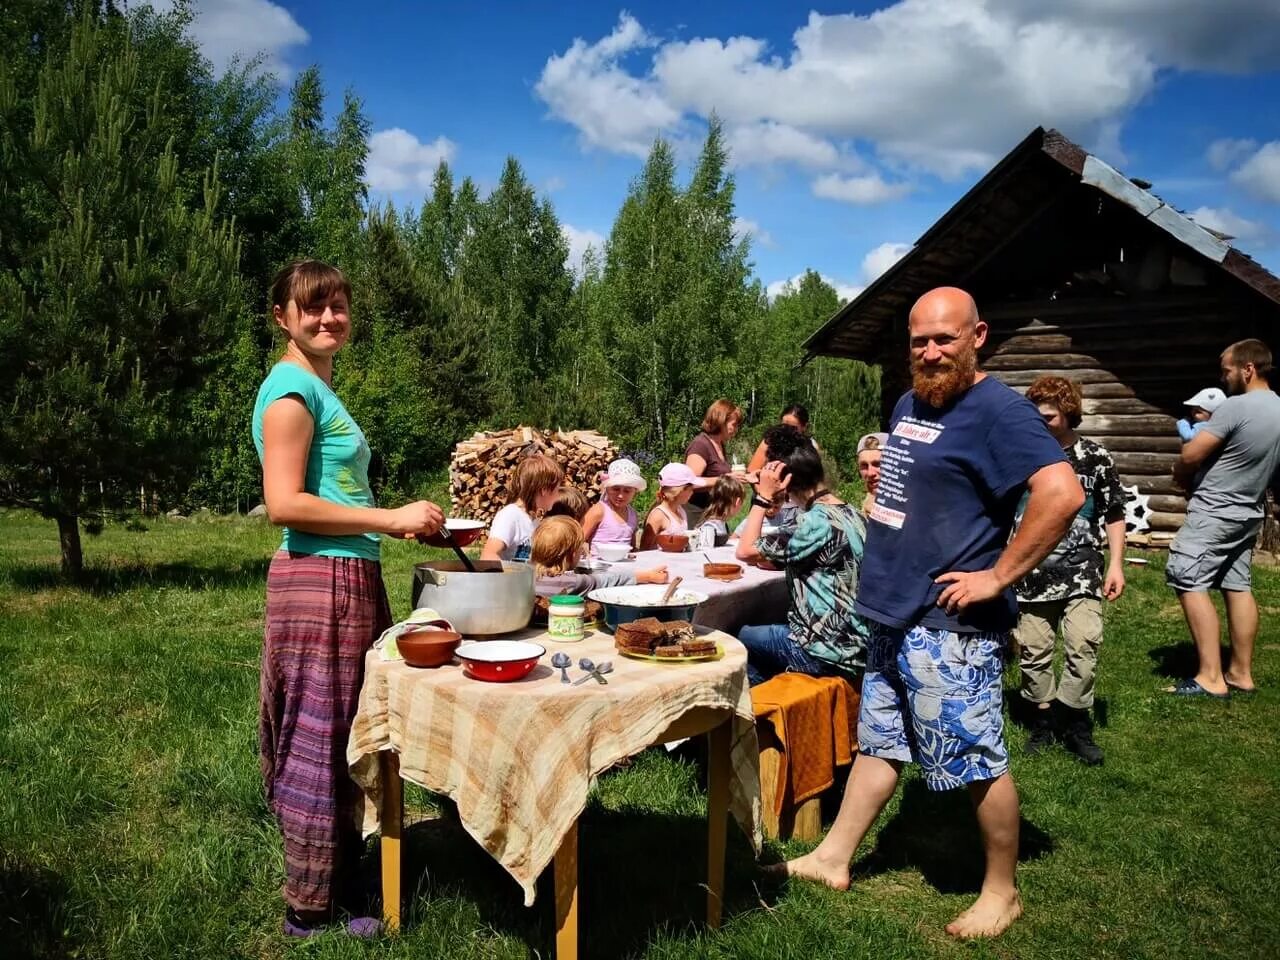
1066 590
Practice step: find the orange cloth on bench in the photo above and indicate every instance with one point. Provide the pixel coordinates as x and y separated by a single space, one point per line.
815 721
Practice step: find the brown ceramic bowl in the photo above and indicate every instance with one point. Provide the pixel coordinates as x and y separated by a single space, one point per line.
428 648
673 542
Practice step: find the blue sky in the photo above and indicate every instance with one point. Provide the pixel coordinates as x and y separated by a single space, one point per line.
853 127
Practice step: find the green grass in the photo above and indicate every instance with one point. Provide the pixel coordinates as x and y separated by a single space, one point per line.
132 822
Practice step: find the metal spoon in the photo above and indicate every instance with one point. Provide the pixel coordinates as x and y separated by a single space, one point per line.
603 667
564 662
588 665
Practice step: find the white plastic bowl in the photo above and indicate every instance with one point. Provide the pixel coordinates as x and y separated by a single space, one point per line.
613 552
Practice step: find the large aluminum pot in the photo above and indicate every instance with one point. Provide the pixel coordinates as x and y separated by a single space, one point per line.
485 603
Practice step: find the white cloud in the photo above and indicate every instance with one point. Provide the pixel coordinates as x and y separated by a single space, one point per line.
868 189
876 262
768 142
1232 224
882 258
587 87
942 85
844 291
579 240
553 184
1225 152
742 227
1260 174
230 29
400 161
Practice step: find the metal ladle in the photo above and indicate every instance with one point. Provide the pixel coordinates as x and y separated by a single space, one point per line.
466 561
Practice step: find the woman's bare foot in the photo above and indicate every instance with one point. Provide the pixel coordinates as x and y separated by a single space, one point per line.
814 868
989 916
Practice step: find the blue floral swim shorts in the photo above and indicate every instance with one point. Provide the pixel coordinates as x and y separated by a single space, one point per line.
934 696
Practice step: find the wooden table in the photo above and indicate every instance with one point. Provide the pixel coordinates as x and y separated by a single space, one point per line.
403 709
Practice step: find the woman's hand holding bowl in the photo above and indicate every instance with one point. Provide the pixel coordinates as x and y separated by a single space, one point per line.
421 517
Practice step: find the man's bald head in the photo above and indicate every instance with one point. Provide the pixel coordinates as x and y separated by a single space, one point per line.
945 335
946 304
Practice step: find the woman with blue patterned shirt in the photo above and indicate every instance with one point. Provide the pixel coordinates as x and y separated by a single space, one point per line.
821 555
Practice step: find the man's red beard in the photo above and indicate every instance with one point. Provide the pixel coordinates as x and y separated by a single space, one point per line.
938 384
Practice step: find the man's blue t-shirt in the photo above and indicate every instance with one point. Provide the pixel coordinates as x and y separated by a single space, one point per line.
950 481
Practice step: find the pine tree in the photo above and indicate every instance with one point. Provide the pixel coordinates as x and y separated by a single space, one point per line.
116 287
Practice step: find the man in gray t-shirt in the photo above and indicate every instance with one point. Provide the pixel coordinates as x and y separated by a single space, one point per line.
1240 447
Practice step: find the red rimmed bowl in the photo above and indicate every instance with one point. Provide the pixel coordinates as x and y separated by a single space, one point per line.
499 661
464 532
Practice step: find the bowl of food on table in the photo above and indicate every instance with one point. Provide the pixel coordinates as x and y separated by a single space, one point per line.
462 532
674 542
613 552
624 604
499 661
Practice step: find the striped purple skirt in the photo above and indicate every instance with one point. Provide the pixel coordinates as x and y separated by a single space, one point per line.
323 614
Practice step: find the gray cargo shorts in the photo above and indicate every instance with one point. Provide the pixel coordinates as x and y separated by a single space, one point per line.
1211 554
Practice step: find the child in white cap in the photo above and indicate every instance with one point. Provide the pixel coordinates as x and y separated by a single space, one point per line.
613 519
1202 406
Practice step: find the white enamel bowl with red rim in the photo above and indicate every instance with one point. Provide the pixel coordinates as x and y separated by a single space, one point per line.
499 661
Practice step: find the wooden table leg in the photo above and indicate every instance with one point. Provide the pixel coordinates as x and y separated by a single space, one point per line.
565 867
719 742
392 817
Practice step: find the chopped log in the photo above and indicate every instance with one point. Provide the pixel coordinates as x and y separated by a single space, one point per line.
1170 444
1150 425
1159 464
1152 484
481 466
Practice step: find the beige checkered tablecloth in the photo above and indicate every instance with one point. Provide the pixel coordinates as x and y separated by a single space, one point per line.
518 758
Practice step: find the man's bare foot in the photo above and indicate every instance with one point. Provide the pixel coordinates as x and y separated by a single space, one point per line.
814 868
1242 684
989 916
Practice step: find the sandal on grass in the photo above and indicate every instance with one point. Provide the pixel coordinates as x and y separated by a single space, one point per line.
1240 691
1191 688
363 928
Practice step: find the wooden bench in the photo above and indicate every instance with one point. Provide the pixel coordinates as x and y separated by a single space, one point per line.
807 728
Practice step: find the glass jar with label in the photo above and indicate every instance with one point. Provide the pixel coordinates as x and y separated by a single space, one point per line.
565 616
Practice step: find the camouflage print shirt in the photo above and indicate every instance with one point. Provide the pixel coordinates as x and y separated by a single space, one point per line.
1074 568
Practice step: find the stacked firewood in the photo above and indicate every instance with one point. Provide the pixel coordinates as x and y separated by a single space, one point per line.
479 467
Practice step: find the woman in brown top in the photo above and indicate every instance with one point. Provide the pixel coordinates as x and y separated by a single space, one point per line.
705 454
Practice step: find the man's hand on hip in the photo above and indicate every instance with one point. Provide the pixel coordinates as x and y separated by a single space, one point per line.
967 588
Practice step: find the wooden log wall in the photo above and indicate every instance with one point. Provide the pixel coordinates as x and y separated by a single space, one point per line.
1135 363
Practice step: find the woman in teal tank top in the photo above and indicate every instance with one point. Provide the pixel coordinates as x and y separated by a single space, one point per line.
326 603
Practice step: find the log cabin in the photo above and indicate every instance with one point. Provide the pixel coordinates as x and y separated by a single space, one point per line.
1081 272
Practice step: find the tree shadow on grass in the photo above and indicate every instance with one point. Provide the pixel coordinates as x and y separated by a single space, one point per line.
32 912
638 873
109 580
937 834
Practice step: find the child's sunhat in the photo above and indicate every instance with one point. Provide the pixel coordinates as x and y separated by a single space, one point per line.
679 475
623 473
1210 399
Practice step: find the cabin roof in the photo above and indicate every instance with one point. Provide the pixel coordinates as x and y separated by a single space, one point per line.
1016 193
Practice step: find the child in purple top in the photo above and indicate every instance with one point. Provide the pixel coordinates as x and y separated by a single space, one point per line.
613 519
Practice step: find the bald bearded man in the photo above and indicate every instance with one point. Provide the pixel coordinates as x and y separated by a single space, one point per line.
936 589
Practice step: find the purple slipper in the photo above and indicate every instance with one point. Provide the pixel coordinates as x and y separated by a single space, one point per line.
363 928
1191 688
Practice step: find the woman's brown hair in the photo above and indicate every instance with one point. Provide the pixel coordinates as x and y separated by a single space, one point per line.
1061 393
308 282
718 416
557 544
532 475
